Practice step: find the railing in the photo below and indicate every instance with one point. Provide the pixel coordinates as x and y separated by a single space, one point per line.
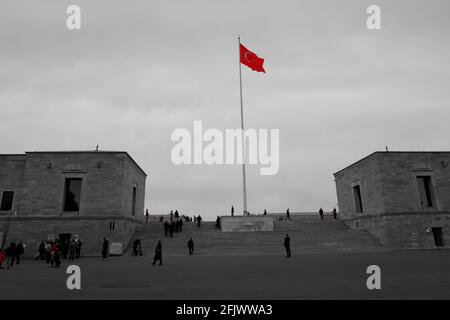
129 237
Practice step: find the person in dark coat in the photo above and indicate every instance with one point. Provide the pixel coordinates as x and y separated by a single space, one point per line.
20 250
191 246
78 249
287 245
105 248
321 213
41 255
288 215
334 213
57 254
72 250
171 228
10 255
265 212
218 222
166 228
232 211
199 220
135 247
158 253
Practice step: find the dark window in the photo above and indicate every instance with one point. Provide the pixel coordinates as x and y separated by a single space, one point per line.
72 194
437 235
7 200
425 191
357 197
133 205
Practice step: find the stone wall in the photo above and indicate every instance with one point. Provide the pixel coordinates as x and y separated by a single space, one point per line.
108 179
45 174
366 174
91 231
11 177
406 230
394 211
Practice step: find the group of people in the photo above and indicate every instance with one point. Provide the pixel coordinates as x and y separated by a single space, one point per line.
173 226
53 251
248 213
12 255
333 212
158 251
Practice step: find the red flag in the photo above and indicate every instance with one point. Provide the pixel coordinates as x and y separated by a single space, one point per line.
251 60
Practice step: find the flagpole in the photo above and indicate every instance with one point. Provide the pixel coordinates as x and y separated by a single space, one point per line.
244 180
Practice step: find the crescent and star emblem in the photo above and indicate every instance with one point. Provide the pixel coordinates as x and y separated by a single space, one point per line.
249 54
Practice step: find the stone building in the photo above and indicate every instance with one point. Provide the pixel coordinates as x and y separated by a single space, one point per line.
401 198
60 195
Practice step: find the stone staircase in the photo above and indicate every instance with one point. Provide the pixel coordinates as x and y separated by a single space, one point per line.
308 234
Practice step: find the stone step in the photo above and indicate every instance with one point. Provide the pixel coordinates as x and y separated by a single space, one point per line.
308 235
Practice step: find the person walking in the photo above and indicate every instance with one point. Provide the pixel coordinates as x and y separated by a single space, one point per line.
218 223
158 253
321 213
191 246
199 220
41 249
166 228
288 215
334 213
78 248
72 250
105 247
147 216
171 228
10 255
20 250
287 246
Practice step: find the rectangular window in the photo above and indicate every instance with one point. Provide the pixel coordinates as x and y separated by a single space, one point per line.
133 205
7 200
72 194
357 198
425 191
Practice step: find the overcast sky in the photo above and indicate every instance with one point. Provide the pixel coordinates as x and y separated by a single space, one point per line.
137 70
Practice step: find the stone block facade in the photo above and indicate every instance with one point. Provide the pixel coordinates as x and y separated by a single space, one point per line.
109 201
246 223
402 198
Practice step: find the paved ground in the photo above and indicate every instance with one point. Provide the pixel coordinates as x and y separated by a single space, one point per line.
405 275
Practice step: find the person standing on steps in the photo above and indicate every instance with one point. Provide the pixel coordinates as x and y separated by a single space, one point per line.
166 228
288 215
105 247
218 222
287 246
321 213
171 228
191 246
158 253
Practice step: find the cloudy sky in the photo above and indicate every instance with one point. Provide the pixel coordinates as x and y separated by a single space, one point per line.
137 70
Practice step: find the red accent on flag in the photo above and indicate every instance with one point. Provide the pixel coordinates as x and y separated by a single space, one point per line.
251 60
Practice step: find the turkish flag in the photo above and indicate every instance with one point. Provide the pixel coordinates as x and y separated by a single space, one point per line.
251 60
